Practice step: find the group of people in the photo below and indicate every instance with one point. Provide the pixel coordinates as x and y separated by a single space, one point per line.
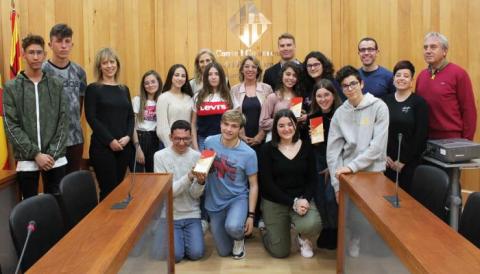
266 171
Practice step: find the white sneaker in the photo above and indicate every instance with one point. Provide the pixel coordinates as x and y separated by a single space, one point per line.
205 226
354 247
238 251
261 224
305 247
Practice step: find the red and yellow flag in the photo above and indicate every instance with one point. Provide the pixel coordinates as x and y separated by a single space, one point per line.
15 61
3 138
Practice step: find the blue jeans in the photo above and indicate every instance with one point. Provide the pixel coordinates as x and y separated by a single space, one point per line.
201 142
188 237
227 225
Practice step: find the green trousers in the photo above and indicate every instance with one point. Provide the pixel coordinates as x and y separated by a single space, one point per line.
278 219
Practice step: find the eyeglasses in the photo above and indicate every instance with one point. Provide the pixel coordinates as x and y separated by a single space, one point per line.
352 85
314 65
363 50
177 140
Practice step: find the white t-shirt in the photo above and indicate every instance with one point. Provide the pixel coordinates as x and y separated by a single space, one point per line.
149 115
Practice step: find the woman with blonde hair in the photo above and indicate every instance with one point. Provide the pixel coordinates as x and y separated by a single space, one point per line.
250 94
203 58
109 113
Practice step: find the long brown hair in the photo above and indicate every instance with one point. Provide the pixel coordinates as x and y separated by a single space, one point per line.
208 89
297 88
144 95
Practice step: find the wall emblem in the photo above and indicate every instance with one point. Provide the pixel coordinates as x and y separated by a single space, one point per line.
248 24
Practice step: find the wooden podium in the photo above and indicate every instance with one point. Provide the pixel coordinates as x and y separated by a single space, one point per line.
416 239
101 242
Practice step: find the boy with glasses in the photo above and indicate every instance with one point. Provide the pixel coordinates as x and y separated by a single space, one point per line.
377 80
187 187
357 140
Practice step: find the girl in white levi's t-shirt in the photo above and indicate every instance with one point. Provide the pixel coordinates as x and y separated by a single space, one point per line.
145 139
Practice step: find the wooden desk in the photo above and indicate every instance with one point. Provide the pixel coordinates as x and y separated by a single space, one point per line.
101 242
422 242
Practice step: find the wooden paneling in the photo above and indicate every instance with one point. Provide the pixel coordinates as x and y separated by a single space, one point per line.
158 33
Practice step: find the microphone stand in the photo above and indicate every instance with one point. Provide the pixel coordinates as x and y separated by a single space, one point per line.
123 204
30 229
394 200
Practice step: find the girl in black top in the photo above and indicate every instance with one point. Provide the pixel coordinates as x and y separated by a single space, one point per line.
288 181
409 116
109 113
325 101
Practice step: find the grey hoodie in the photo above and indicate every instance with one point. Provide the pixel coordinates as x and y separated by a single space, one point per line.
358 137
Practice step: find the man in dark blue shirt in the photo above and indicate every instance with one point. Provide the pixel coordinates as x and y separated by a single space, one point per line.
377 80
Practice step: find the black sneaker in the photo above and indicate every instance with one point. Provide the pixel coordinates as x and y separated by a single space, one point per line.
238 251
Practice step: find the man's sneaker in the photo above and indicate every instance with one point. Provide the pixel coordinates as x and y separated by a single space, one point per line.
238 251
305 247
354 247
204 226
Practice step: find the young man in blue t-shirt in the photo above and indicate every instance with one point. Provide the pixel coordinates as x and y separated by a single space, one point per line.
232 188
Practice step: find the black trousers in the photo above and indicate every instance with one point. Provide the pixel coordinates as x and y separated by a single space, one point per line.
28 181
150 144
110 166
74 157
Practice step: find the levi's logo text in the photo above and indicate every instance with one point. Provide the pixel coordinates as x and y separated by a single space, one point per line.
212 108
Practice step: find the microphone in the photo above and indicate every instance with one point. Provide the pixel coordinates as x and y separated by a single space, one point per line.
394 200
397 202
123 204
30 229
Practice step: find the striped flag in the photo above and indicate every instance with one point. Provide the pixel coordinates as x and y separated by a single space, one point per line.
3 138
15 62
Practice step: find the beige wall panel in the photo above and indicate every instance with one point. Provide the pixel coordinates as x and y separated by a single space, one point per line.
192 35
471 179
269 38
5 38
159 38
